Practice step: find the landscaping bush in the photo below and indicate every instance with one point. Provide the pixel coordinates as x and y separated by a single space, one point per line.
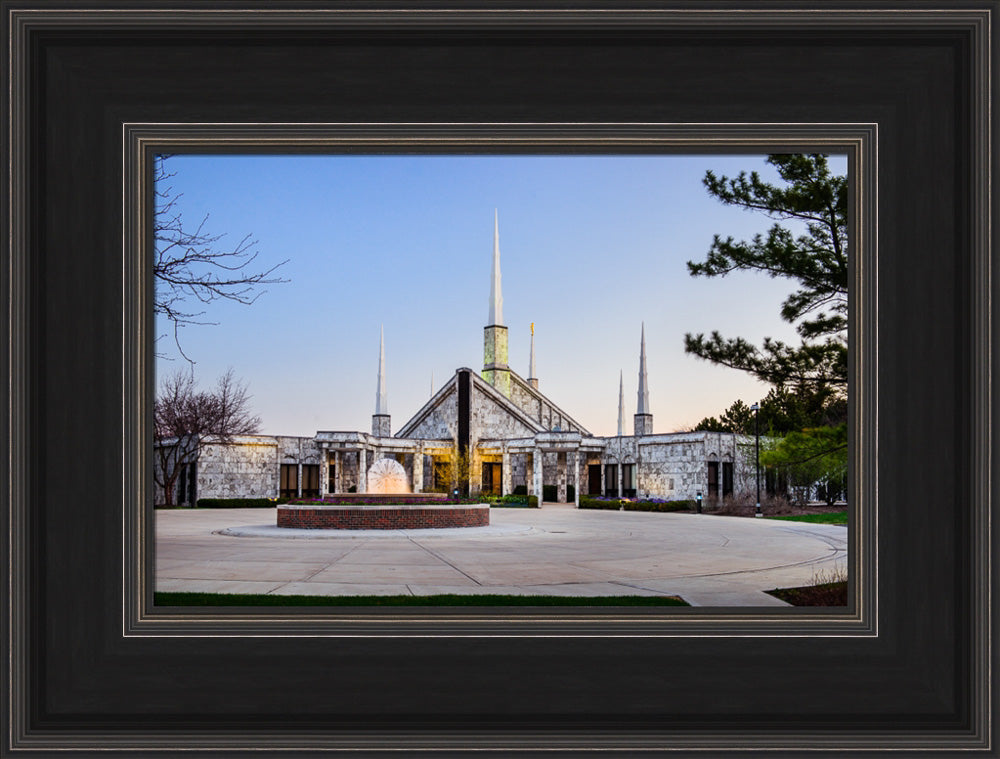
655 504
521 490
600 502
516 499
652 504
550 492
745 505
239 503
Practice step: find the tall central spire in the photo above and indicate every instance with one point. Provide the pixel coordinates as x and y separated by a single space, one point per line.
495 368
496 295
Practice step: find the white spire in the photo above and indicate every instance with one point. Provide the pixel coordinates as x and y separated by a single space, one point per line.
642 407
621 404
381 398
531 364
496 297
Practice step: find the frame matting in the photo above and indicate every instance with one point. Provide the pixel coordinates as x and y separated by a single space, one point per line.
904 88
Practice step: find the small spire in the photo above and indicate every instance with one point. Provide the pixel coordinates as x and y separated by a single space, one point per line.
496 296
621 403
531 364
381 398
642 407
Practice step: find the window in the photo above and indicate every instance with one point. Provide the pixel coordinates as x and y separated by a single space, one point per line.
186 484
611 480
310 480
713 479
628 480
727 478
289 481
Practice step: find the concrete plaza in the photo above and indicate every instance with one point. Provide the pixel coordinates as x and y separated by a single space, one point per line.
555 550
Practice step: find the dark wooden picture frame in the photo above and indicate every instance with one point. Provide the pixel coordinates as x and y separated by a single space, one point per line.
93 667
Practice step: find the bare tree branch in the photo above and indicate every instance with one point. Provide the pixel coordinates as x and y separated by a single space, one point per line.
190 264
185 418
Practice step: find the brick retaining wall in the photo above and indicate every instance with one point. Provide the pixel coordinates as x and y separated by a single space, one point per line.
382 517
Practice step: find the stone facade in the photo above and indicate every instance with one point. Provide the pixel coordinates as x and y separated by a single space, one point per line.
515 436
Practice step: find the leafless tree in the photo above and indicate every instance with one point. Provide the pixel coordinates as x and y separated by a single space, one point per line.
185 419
191 265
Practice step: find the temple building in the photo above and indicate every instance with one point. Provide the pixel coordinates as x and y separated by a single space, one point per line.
495 427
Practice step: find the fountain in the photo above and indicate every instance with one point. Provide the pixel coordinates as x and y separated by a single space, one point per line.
389 504
387 476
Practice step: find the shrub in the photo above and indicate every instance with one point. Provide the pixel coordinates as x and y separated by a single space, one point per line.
658 505
382 500
600 502
521 490
745 505
550 492
239 503
516 499
651 504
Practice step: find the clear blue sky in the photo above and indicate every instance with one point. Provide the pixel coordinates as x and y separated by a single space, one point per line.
591 246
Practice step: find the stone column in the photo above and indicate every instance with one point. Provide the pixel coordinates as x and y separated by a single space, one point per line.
621 476
324 471
603 485
505 474
561 463
338 472
536 463
299 491
363 471
418 469
575 458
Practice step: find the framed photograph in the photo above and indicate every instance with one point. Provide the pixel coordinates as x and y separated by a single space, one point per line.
97 97
443 507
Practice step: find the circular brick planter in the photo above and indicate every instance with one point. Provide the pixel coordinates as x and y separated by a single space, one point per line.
389 517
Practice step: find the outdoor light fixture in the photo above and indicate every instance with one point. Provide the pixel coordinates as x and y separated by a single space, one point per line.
756 429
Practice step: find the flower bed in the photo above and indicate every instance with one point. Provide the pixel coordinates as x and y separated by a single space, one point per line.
635 504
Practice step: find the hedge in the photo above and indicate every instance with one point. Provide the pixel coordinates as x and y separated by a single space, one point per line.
599 503
239 503
660 506
531 501
550 492
615 504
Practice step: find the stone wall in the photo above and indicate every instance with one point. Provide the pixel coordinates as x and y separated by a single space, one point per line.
239 470
676 465
491 422
441 422
534 405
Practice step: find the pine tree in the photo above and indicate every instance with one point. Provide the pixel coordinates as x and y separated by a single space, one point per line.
816 260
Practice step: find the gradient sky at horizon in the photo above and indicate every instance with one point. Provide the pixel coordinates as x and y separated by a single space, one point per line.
591 247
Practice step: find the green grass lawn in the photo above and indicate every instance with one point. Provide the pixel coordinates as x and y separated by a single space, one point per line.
232 599
834 517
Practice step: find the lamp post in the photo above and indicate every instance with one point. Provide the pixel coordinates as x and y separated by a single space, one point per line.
756 430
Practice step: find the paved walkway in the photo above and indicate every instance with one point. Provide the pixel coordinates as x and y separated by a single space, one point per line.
556 550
